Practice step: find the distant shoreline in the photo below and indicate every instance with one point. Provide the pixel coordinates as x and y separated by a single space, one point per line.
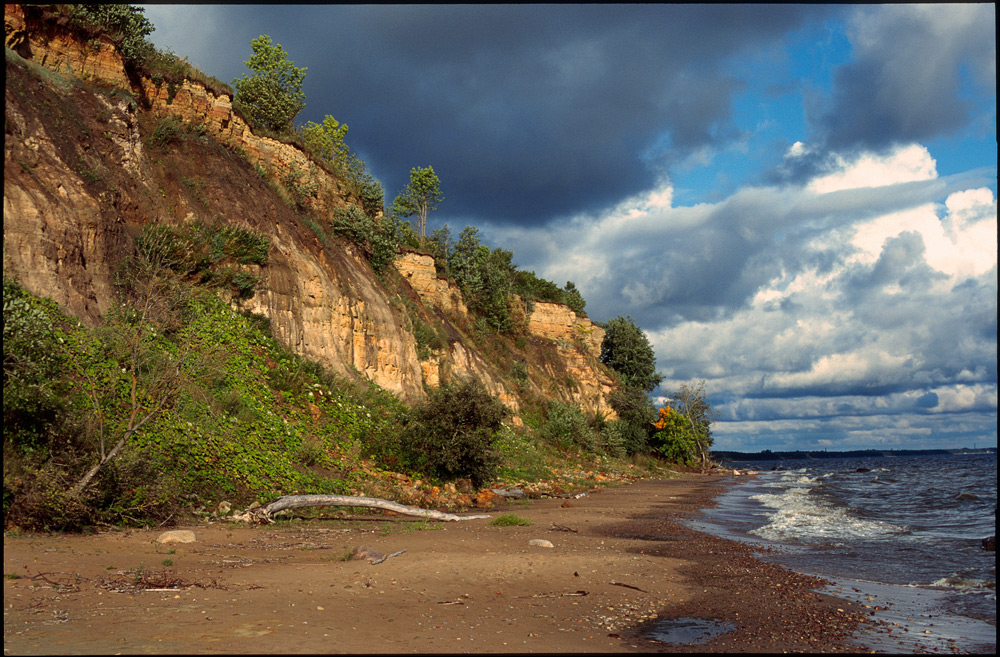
767 455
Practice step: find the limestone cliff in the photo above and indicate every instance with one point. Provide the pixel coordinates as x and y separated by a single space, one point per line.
82 177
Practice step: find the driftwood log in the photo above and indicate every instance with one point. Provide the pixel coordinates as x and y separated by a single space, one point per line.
264 514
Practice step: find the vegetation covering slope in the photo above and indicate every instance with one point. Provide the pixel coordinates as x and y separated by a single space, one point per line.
176 394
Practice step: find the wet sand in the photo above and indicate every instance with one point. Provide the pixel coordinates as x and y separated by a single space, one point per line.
621 566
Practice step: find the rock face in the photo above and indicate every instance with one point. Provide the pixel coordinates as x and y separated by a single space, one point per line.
82 177
418 270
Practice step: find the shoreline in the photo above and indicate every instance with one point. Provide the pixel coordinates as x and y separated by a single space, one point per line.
621 565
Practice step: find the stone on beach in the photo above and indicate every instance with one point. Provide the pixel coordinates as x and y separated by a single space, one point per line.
540 542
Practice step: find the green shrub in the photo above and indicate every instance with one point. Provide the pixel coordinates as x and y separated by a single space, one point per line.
455 430
427 338
168 131
126 24
617 438
510 520
272 96
36 407
245 284
378 239
566 426
371 194
300 186
636 413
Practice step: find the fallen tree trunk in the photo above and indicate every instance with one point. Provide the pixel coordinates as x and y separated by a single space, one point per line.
264 514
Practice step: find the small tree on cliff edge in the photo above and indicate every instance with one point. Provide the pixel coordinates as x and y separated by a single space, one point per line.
272 96
419 197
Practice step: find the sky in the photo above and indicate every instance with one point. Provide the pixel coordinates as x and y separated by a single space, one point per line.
796 203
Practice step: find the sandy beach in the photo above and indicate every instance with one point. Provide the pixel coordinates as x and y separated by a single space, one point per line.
619 567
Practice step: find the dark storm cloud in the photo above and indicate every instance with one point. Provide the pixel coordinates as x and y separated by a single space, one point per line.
906 81
557 131
526 112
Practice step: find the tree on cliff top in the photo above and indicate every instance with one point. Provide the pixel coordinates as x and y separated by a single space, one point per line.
272 96
126 24
419 197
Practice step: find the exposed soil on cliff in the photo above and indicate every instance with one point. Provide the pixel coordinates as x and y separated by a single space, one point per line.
619 559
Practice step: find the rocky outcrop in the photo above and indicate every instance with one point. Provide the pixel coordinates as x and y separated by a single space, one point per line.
555 321
419 271
46 41
81 181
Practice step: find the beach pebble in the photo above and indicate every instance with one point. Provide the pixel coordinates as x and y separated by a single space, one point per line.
540 542
176 536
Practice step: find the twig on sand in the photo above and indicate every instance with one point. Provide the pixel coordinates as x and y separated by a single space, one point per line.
628 586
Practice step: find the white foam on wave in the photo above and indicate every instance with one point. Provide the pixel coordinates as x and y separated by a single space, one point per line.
962 582
800 516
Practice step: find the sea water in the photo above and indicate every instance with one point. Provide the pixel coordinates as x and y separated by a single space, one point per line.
901 535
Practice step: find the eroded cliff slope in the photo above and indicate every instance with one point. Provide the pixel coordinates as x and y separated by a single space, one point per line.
88 164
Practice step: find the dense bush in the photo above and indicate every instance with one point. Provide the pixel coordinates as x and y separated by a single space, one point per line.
206 253
378 238
566 426
636 416
530 287
36 408
454 433
126 24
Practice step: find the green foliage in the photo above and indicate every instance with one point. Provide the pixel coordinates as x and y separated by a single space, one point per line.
440 245
488 279
572 298
428 339
164 66
378 238
510 520
419 197
522 457
326 141
519 370
485 278
566 426
684 429
35 400
529 286
169 130
207 251
673 438
238 418
369 191
126 24
627 351
134 490
36 498
300 186
454 432
272 96
635 420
